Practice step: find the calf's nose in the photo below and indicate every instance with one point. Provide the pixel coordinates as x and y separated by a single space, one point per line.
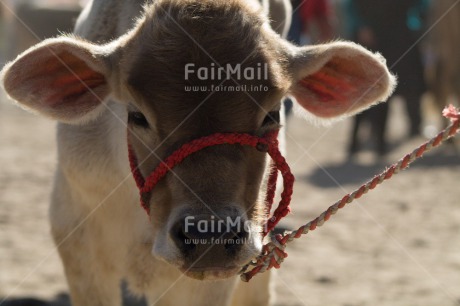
221 236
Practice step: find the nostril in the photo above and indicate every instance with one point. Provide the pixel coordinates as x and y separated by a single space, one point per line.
233 244
227 234
183 241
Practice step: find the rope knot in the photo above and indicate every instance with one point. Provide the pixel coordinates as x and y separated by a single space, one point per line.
272 256
452 113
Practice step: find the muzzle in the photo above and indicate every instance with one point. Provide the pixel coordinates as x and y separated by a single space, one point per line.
267 143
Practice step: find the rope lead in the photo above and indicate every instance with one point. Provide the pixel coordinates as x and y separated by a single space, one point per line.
273 253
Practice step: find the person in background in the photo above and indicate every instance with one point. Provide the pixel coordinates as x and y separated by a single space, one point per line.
313 19
317 19
295 31
388 27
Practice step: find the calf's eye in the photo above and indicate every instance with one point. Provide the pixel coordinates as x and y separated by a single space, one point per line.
271 118
138 119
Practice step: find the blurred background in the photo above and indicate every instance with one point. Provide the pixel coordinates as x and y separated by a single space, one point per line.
398 245
26 22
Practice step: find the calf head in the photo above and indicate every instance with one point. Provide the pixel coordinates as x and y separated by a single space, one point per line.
176 73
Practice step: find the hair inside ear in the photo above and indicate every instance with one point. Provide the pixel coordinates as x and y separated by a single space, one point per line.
74 79
58 79
348 81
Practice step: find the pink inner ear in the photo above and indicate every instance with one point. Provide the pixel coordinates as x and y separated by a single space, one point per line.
72 86
327 87
57 82
71 79
337 88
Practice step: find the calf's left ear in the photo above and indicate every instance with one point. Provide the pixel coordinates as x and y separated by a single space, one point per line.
338 79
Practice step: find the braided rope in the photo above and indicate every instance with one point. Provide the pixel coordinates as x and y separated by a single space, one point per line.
267 144
273 253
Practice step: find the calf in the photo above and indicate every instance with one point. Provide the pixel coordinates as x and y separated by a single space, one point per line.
136 90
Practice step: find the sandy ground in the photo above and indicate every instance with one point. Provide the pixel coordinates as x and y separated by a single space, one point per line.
398 245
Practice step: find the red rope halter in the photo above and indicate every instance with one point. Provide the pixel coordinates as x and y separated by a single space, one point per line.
268 143
274 253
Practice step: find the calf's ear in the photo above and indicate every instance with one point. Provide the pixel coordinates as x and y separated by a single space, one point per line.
62 78
338 79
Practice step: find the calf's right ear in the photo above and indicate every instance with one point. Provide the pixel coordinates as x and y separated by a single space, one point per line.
62 78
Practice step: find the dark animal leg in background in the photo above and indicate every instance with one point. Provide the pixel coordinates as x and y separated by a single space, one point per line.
354 141
378 119
412 102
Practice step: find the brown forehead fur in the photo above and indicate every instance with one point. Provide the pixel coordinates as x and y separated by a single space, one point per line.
178 32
